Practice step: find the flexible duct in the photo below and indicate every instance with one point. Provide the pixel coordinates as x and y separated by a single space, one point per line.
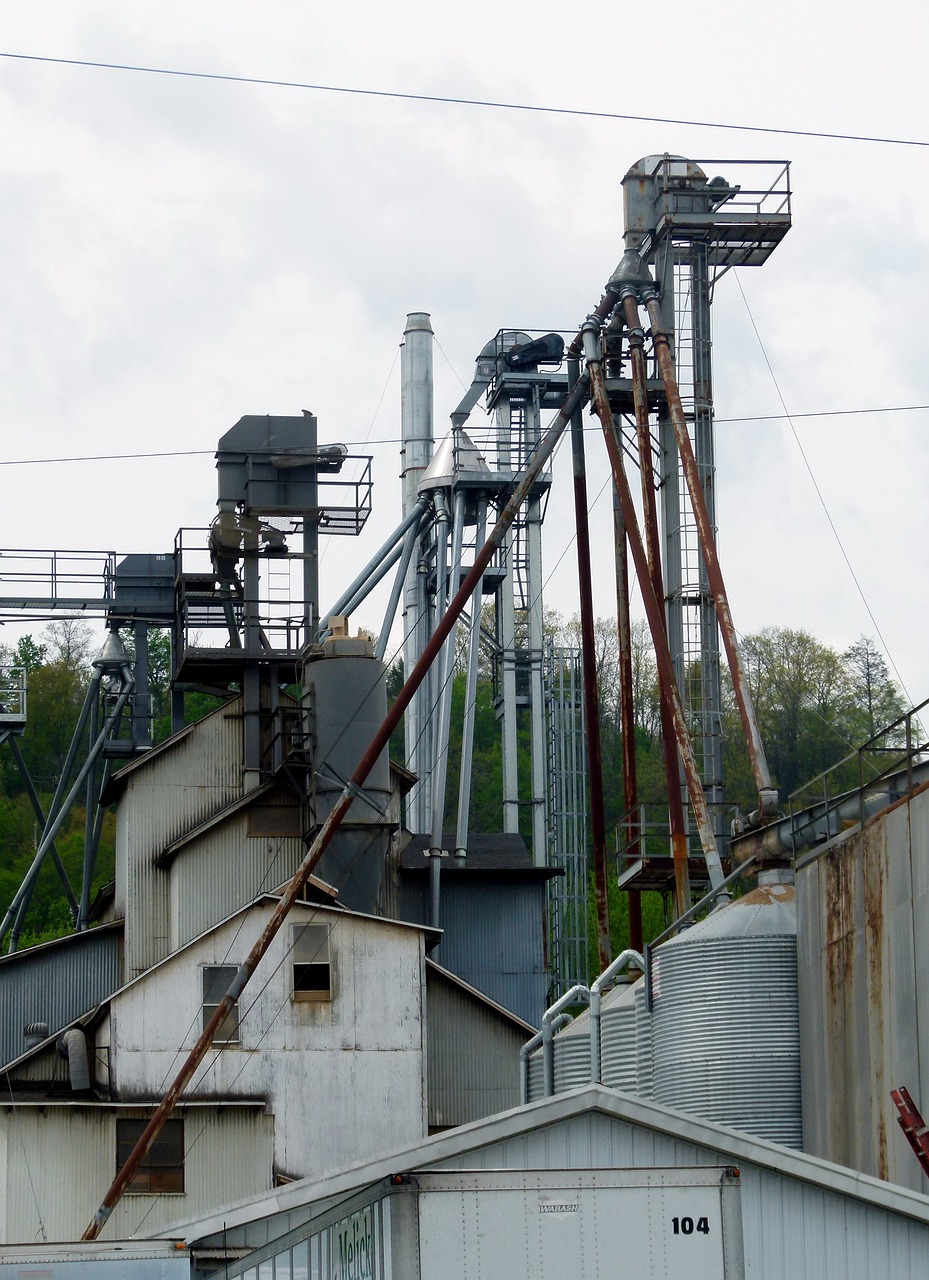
73 1046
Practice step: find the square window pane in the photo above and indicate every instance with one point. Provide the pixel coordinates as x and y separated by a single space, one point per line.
162 1167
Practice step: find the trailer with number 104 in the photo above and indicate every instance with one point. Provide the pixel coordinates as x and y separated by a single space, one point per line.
590 1184
503 1224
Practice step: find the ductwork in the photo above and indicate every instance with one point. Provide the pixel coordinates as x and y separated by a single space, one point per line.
72 1045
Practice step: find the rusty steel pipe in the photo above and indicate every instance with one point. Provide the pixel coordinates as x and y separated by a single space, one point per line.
655 615
636 335
636 338
627 712
576 398
601 311
591 689
662 348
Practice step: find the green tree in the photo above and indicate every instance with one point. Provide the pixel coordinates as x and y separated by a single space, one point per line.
28 654
876 697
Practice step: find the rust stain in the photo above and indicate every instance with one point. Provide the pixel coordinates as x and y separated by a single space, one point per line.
872 849
838 893
883 1169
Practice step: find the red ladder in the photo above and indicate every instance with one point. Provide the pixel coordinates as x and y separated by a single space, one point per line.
913 1125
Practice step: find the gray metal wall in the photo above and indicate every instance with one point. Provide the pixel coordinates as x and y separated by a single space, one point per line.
493 936
800 1220
166 795
864 990
57 982
472 1055
218 873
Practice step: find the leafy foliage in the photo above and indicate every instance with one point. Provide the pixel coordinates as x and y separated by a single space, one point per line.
814 704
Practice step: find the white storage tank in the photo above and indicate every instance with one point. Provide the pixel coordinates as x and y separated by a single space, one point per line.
725 1023
644 1057
617 1037
536 1086
571 1054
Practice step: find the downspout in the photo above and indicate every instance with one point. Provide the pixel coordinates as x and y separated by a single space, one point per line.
578 994
526 1051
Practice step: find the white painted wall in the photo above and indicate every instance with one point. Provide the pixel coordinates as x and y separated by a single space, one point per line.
65 1159
344 1079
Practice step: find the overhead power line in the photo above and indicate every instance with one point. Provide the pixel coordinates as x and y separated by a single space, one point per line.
819 493
367 442
464 102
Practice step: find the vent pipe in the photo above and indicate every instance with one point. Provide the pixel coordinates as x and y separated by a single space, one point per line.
72 1045
578 994
597 987
34 1033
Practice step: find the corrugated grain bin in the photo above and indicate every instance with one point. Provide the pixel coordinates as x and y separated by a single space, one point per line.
725 1023
536 1076
617 1037
644 1054
571 1053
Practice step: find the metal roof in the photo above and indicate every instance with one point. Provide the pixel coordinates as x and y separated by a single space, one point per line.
729 1145
488 851
273 787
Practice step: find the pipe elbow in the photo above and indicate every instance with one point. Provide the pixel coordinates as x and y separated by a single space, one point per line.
72 1045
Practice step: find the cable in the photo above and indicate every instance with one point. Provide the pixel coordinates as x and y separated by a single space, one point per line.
819 494
462 102
22 1141
449 363
364 443
384 440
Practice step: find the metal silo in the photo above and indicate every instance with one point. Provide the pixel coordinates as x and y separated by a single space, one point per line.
725 1023
536 1087
571 1049
644 1056
617 1037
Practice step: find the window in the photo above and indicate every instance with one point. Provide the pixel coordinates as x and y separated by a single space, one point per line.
162 1169
217 979
310 955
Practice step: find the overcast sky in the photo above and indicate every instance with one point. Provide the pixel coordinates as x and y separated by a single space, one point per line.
177 253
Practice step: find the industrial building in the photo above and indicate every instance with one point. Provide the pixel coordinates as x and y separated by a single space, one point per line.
593 1182
317 1028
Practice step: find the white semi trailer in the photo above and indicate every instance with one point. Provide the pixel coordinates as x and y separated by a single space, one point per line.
99 1260
646 1224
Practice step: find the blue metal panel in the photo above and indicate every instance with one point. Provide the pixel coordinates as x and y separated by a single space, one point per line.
56 982
494 937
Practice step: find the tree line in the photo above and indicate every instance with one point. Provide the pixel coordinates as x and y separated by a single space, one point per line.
814 704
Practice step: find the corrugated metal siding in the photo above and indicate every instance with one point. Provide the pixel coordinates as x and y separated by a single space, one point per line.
791 1229
864 988
166 797
472 1056
493 937
229 1155
224 868
56 984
